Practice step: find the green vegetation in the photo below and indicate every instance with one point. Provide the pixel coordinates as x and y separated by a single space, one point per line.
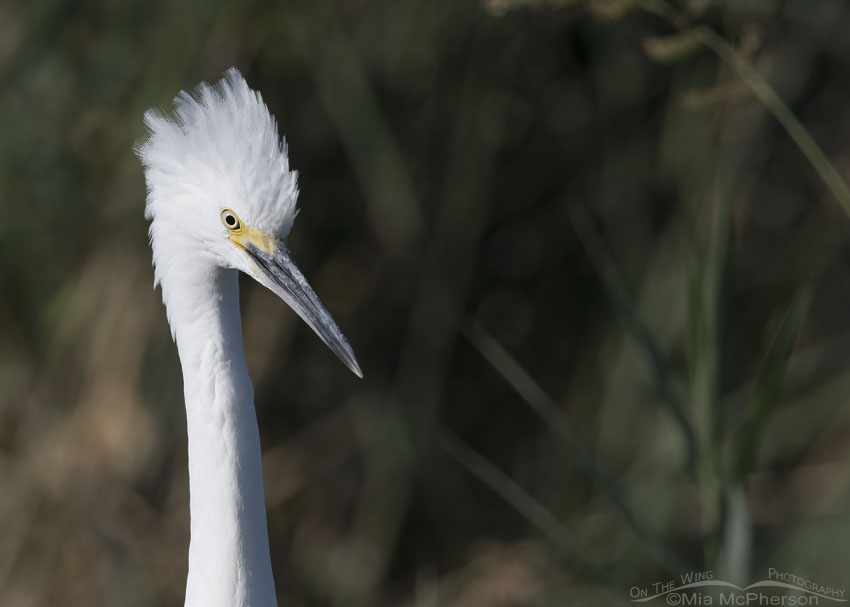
592 256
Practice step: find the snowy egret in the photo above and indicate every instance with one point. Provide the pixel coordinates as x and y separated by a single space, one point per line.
221 199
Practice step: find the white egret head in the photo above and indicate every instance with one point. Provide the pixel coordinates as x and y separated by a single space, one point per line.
221 195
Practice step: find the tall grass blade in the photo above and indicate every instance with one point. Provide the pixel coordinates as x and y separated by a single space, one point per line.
628 315
769 382
706 328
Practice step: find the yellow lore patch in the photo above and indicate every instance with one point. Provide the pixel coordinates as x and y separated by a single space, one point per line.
242 235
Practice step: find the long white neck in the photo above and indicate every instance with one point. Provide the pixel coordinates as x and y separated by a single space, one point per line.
229 562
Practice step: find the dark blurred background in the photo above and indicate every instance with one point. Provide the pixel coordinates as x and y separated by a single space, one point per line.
596 271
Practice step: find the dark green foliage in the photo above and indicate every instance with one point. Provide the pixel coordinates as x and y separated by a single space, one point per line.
592 256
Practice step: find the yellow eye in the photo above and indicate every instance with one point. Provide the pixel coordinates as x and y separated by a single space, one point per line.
230 220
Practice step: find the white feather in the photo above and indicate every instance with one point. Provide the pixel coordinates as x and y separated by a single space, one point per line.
219 150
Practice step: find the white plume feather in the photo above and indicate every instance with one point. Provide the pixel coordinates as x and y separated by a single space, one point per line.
219 149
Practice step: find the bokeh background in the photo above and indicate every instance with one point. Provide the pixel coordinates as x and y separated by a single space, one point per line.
593 256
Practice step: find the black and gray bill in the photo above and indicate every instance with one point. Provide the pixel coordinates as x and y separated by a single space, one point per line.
279 273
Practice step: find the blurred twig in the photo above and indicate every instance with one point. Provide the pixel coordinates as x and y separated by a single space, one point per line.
766 94
530 508
531 392
773 102
627 313
511 492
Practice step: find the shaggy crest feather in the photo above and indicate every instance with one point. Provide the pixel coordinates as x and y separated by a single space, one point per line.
219 149
223 131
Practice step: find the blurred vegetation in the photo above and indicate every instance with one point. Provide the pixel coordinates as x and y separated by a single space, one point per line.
593 256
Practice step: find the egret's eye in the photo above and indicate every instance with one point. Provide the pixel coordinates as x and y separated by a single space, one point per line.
230 220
